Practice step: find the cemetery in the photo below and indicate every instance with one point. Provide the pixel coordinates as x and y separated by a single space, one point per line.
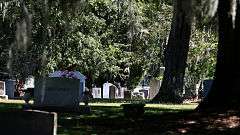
119 67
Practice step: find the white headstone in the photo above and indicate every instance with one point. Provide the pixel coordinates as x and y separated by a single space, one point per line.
96 92
109 90
3 90
29 83
106 90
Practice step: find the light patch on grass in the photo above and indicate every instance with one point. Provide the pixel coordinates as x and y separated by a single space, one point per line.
173 106
106 104
162 106
10 101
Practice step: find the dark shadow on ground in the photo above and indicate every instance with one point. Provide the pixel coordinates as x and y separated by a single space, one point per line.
156 121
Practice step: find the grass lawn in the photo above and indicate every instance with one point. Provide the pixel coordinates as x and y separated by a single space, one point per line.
158 119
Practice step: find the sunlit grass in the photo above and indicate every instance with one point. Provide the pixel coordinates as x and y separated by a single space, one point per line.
189 106
10 101
161 106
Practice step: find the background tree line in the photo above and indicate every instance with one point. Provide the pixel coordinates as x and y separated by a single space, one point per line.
121 40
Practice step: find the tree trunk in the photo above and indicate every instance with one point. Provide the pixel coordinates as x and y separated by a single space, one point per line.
176 53
225 92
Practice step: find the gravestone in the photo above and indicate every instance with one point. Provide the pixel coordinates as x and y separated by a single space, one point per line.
58 92
10 86
30 122
96 92
120 93
29 82
146 93
154 88
3 91
109 90
207 84
112 91
127 94
106 90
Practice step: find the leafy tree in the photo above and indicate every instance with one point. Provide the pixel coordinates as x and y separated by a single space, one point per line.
176 53
201 60
224 92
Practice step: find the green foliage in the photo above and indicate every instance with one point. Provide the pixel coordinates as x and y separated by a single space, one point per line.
202 57
116 41
104 38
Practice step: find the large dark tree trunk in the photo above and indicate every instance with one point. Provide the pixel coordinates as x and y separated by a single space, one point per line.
225 91
176 53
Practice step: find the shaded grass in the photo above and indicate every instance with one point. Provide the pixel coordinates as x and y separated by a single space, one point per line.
109 119
159 119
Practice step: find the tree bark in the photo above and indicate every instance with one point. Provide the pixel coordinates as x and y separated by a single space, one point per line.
225 92
176 53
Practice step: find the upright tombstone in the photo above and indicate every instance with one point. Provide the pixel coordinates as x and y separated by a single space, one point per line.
96 92
106 90
146 93
58 92
154 88
127 94
3 90
112 91
207 84
10 88
29 82
120 93
30 122
109 90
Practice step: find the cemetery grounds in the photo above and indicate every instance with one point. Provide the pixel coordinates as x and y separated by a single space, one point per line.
158 119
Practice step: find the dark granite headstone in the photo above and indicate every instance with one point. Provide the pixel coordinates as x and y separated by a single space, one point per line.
112 92
31 122
207 84
10 88
127 94
57 92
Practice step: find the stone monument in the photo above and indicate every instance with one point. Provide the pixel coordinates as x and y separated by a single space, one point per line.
96 92
109 90
58 92
3 90
10 86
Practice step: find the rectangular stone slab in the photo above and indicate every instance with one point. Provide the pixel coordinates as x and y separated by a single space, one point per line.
31 122
59 92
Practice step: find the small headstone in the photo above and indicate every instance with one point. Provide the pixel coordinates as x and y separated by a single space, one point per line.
127 94
109 90
112 92
154 88
29 82
146 93
30 122
10 88
3 90
96 92
58 92
106 90
207 84
120 93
